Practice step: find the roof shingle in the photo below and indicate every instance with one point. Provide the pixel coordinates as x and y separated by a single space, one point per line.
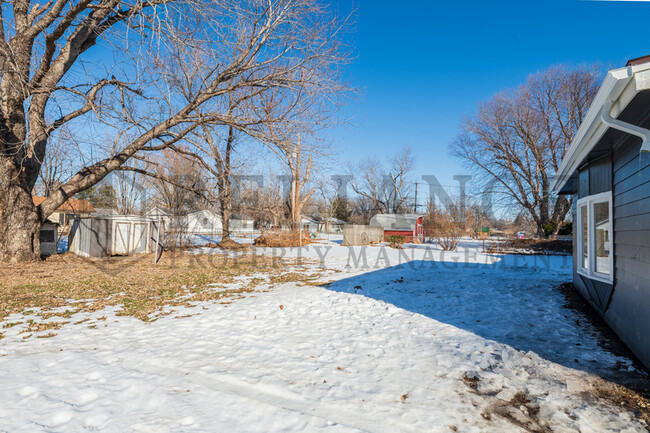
72 205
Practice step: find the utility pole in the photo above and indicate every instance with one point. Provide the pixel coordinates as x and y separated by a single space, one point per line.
294 166
416 198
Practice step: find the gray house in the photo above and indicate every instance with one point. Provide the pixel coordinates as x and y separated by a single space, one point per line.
607 170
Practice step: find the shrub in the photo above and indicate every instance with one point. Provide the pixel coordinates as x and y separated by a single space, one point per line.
447 226
396 241
549 227
566 229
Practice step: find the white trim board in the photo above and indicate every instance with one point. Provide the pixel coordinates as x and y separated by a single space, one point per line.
619 88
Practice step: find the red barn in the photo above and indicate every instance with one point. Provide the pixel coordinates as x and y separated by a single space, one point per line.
410 226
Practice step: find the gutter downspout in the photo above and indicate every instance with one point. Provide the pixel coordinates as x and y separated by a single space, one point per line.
608 120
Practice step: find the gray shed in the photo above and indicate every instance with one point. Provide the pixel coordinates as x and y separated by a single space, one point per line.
114 235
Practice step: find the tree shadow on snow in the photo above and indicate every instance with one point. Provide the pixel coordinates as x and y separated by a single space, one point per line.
516 301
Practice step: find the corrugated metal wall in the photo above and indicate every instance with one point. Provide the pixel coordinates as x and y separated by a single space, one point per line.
80 237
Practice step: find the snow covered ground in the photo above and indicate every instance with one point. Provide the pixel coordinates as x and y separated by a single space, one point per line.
412 340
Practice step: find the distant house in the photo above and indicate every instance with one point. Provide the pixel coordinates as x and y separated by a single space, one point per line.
242 223
331 225
607 170
410 226
309 224
205 222
66 213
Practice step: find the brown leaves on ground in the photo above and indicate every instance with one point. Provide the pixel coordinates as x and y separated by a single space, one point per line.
530 246
229 244
631 398
282 239
141 287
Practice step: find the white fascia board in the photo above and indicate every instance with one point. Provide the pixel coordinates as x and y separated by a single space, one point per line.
619 87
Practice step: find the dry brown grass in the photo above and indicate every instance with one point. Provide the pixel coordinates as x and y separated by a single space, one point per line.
530 246
229 244
141 287
282 239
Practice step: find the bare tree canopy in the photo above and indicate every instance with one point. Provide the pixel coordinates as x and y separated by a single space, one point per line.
138 76
177 182
387 189
516 140
57 163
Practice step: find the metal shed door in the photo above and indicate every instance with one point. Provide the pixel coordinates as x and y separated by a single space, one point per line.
139 244
121 238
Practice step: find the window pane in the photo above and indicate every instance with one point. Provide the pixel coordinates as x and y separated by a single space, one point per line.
584 234
603 237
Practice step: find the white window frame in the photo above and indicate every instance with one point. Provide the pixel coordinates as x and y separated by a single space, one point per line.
590 272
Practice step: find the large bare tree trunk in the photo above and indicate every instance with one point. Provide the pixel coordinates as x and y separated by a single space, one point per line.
20 223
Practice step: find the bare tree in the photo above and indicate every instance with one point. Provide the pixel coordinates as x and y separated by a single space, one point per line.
362 209
177 60
388 190
328 195
129 191
447 225
517 139
299 178
266 204
178 183
57 164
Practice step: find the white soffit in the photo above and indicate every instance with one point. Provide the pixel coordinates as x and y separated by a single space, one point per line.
619 87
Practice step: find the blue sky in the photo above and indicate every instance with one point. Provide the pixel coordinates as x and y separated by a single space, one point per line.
422 65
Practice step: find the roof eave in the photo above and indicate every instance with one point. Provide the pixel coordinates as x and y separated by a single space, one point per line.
619 87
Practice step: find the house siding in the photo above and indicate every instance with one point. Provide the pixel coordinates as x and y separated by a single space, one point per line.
629 311
625 305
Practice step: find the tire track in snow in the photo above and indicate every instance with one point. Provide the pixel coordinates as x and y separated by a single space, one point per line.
242 389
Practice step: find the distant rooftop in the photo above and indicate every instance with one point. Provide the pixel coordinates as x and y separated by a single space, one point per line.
395 221
73 205
638 61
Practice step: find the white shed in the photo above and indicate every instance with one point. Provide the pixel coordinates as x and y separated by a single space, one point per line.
105 235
